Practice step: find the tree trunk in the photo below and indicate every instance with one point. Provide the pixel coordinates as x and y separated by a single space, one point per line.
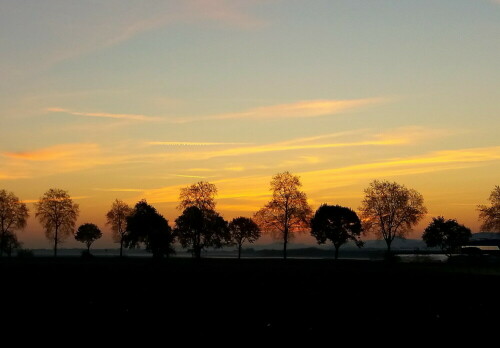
55 244
1 244
388 242
336 252
121 246
197 253
88 249
239 251
285 242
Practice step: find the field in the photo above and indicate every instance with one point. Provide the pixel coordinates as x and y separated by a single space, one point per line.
137 298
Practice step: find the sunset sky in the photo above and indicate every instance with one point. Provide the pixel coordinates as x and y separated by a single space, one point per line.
136 99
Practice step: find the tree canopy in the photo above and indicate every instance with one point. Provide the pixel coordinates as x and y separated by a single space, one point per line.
448 235
199 229
116 217
337 224
243 229
57 214
13 216
146 226
390 210
201 195
10 243
287 212
88 234
490 215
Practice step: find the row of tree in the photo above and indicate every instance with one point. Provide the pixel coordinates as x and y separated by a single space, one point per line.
388 210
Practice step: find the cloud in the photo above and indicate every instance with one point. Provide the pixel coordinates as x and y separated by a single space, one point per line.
301 109
75 198
191 176
133 117
115 22
397 137
118 189
427 163
56 159
188 143
54 153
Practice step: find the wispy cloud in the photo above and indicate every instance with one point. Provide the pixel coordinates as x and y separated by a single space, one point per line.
56 159
189 143
53 153
114 189
75 198
397 137
191 176
134 117
427 163
247 193
301 109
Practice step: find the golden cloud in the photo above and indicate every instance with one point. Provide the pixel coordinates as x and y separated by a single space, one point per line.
308 108
133 117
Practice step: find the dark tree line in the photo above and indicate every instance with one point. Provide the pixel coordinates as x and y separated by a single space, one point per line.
389 210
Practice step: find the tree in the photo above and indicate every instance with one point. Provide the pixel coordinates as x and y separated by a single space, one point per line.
10 243
201 195
146 226
390 210
287 211
88 234
199 229
491 215
57 213
336 224
13 216
449 235
243 229
117 219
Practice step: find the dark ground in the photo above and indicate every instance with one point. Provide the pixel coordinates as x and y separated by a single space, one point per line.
136 299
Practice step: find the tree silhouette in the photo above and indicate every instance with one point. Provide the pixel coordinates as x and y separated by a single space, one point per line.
243 229
117 219
146 226
201 195
10 243
13 216
57 213
198 229
336 224
88 234
287 211
449 235
491 215
390 210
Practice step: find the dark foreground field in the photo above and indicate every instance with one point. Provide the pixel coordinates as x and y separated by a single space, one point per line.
212 300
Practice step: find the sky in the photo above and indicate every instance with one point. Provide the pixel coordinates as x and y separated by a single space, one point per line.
137 99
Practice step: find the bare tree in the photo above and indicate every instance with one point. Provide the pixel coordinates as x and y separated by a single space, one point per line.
287 212
117 219
390 210
88 234
13 216
243 229
57 213
491 215
201 195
